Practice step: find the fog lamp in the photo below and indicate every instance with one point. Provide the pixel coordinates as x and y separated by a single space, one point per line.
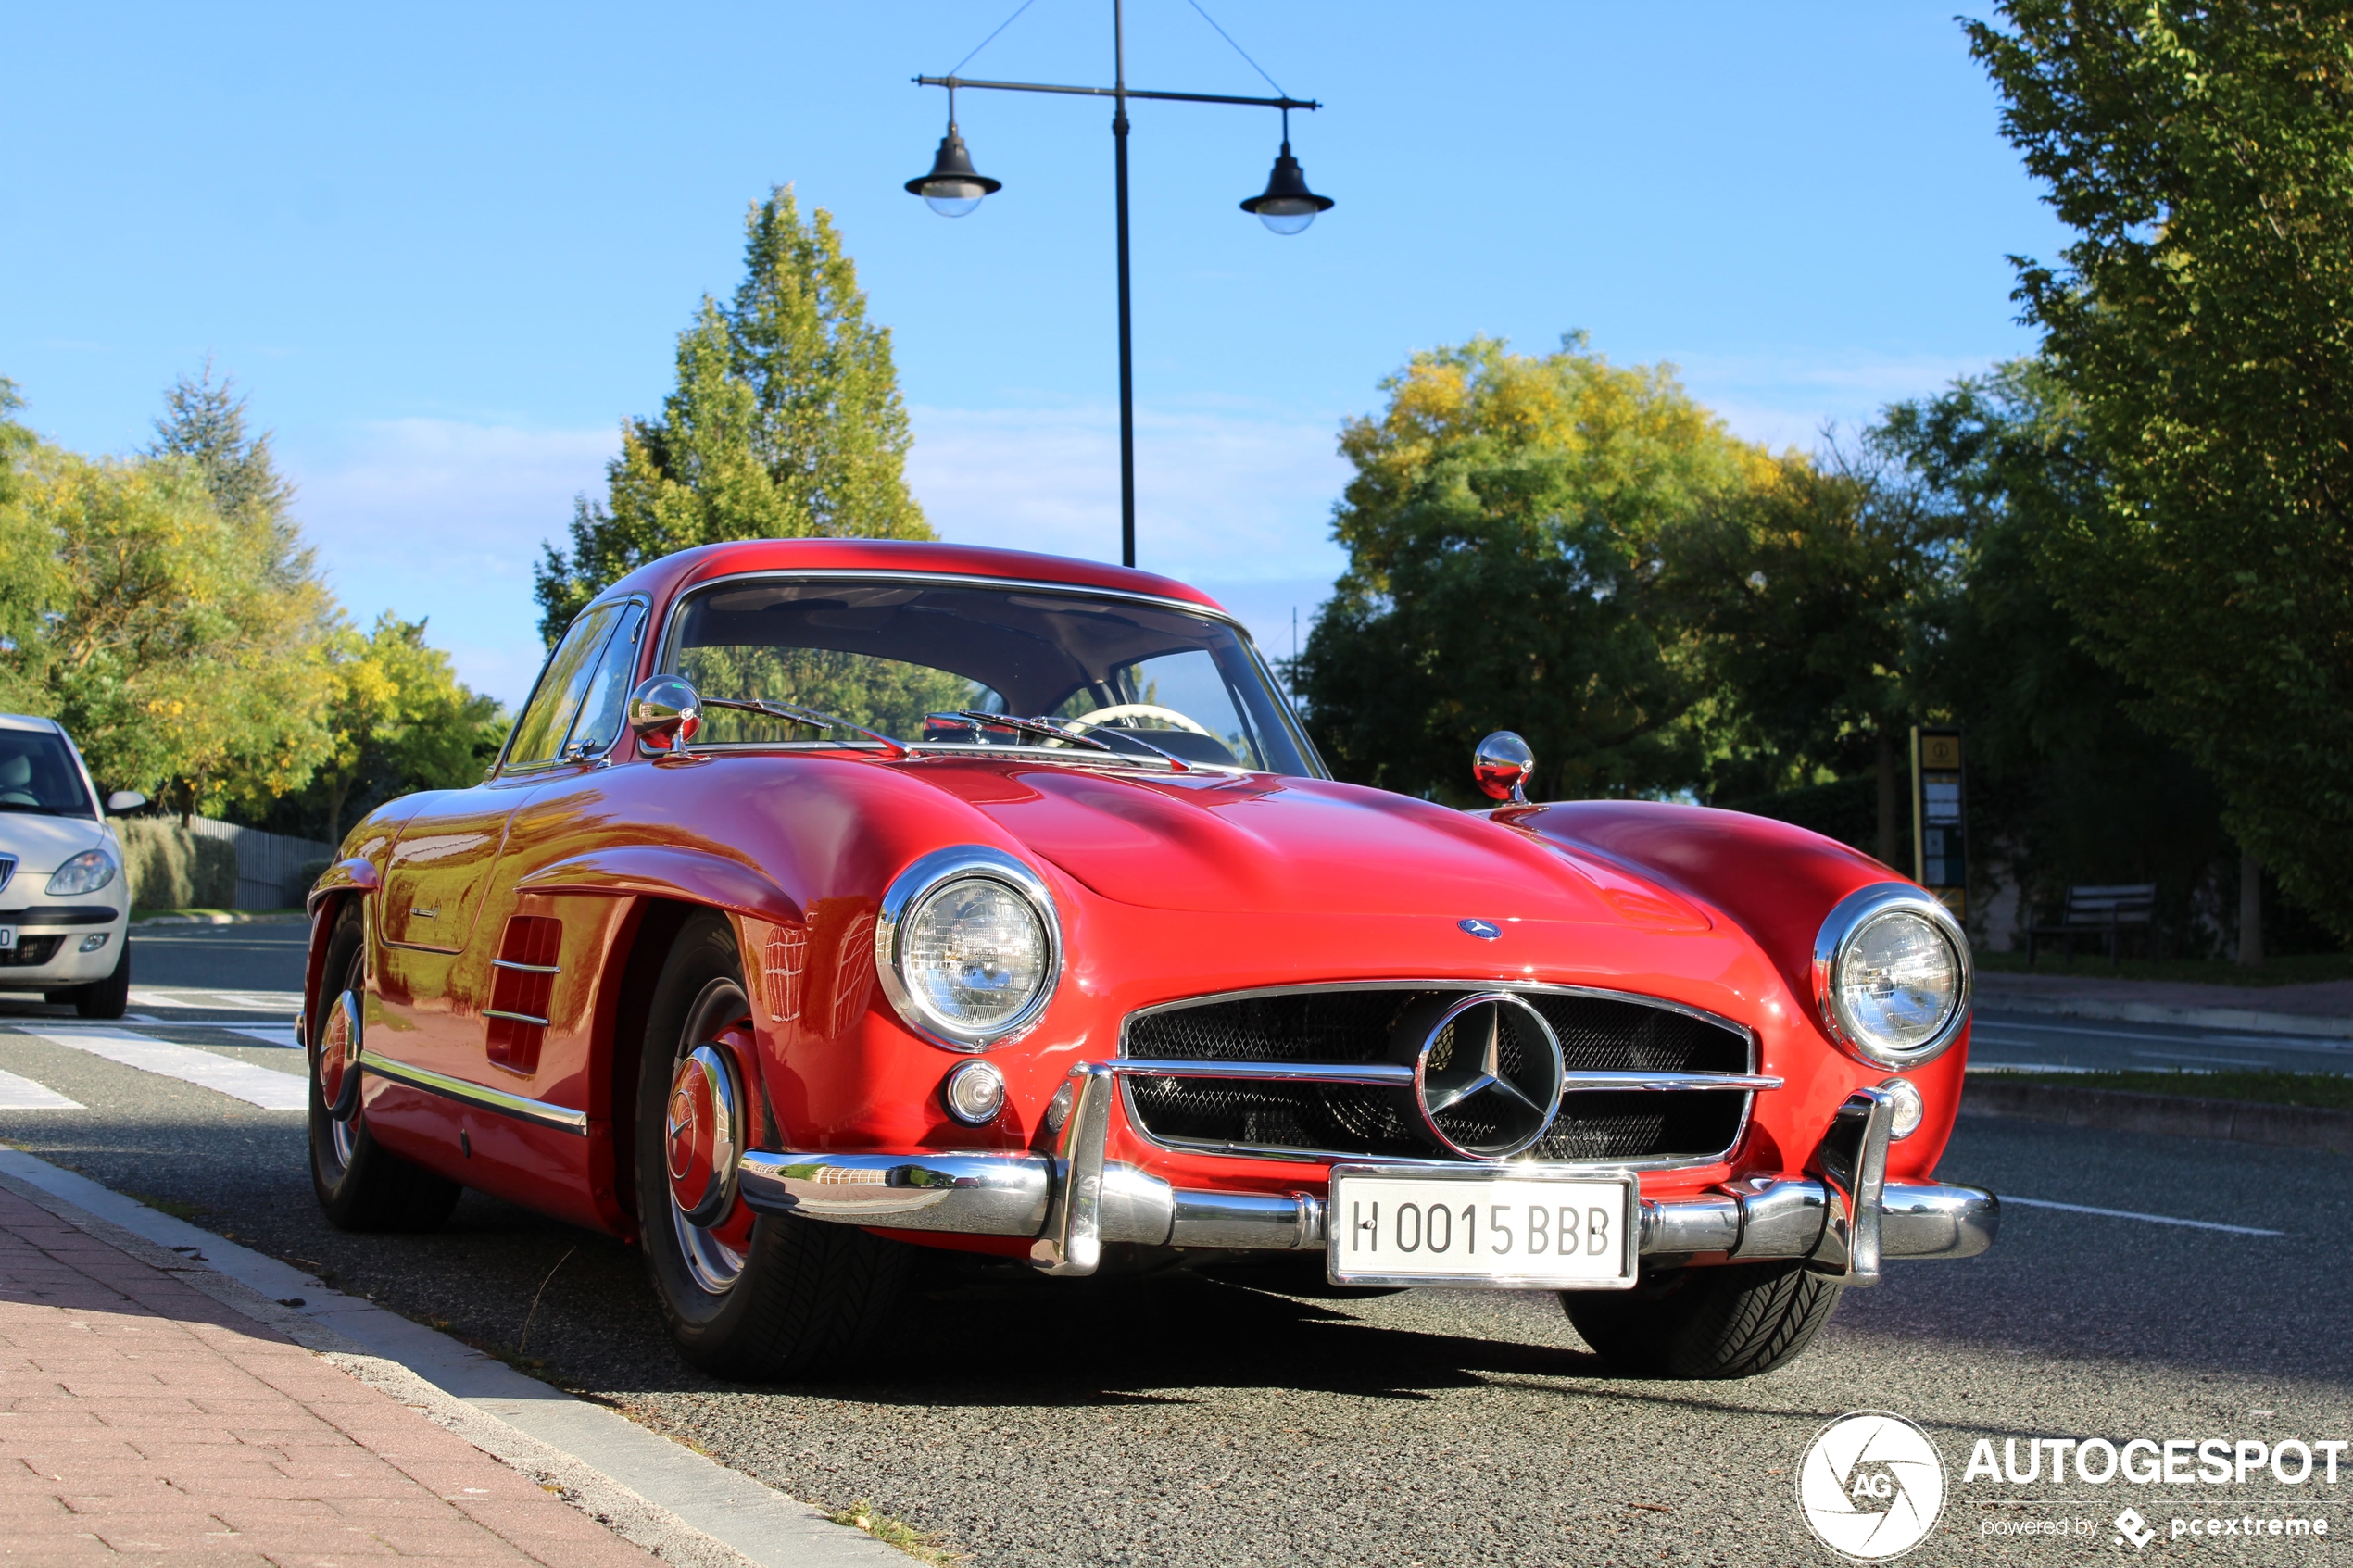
92 944
1909 1107
974 1093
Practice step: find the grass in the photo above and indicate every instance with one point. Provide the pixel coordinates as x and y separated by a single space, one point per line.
2300 969
2328 1091
170 1206
921 1544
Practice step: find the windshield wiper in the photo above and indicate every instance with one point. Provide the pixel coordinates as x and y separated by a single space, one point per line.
1050 727
810 716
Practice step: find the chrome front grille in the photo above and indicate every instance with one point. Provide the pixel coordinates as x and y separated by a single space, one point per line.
1313 1075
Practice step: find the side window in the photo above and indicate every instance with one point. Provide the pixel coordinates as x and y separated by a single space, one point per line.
548 718
599 722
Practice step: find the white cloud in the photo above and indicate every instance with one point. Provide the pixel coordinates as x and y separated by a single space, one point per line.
442 519
1786 400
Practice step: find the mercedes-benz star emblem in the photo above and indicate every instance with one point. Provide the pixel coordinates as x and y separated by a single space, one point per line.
1487 1072
1485 930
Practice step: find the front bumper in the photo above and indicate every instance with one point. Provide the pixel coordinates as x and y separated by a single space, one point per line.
1844 1216
61 930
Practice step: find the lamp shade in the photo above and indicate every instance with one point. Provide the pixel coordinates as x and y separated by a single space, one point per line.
1285 205
953 188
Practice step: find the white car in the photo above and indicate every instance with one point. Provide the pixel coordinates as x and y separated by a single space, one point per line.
65 903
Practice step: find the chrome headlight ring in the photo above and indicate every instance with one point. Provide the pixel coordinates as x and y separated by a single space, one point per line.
1856 914
904 901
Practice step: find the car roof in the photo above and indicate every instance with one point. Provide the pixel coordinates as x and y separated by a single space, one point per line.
661 579
28 721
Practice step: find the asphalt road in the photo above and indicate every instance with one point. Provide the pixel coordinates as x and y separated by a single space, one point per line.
1183 1421
2023 1039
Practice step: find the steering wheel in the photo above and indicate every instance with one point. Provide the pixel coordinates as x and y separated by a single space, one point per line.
1104 716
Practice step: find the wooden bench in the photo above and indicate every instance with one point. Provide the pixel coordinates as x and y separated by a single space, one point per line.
2097 911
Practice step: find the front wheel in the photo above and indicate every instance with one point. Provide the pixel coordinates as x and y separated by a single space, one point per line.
362 1185
109 997
1732 1320
758 1297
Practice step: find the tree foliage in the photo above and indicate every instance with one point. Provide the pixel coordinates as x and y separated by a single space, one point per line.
2203 154
165 609
786 422
1503 528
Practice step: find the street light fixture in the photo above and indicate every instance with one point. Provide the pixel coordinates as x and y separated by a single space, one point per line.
953 189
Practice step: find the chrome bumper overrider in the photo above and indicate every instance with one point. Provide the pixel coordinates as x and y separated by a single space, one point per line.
1844 1216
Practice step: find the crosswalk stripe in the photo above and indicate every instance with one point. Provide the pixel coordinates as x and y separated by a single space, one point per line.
264 1086
23 1093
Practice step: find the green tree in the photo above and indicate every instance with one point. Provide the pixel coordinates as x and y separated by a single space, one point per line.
2065 787
27 565
2203 154
399 720
1502 530
1798 591
785 424
169 648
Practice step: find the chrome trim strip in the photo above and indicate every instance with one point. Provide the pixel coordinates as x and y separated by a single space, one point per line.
1397 1076
1750 1081
972 1194
539 1112
526 968
514 1017
1853 1163
1073 1240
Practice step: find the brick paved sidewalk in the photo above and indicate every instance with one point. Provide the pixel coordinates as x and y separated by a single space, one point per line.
139 1416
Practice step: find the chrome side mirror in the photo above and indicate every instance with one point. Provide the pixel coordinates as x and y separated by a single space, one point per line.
1501 766
664 713
123 800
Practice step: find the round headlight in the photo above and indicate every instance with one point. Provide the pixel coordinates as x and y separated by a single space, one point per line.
1891 975
86 872
967 947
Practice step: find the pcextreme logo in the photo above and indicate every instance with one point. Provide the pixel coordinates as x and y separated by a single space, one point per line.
1871 1485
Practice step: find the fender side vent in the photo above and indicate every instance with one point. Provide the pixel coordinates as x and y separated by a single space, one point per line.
523 986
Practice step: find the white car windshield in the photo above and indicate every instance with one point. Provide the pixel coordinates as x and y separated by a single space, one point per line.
916 662
37 773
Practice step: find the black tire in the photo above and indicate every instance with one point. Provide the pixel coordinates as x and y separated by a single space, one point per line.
360 1183
1732 1320
807 1299
109 997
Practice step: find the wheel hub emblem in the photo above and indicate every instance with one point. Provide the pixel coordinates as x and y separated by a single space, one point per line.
699 1130
1486 1072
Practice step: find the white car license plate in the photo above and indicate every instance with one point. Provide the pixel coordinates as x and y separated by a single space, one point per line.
1412 1225
8 938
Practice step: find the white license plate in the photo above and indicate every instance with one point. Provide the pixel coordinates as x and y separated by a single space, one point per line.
1412 1225
8 938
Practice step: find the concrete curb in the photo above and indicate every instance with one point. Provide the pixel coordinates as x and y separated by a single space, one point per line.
2176 1116
662 1496
2250 1020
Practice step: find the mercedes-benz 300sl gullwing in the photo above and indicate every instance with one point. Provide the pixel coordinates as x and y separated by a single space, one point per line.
835 900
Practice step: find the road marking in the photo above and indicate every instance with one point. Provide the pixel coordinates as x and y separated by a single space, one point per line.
2129 1214
2266 1042
264 1086
182 997
23 1093
279 1035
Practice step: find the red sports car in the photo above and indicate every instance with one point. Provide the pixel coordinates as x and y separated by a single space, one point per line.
834 899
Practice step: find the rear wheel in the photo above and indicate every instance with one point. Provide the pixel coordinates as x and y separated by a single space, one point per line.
757 1298
362 1185
1732 1320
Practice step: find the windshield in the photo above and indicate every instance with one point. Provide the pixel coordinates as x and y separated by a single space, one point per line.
907 659
37 774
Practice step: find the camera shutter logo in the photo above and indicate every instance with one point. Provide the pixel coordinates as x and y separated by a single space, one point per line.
1871 1485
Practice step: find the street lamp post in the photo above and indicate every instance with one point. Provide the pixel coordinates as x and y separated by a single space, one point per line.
954 188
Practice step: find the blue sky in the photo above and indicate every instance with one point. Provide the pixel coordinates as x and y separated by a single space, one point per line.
446 249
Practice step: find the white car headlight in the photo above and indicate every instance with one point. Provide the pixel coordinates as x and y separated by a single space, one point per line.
86 872
967 945
1892 975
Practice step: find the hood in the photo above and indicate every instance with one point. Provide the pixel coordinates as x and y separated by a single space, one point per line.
1267 845
41 844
